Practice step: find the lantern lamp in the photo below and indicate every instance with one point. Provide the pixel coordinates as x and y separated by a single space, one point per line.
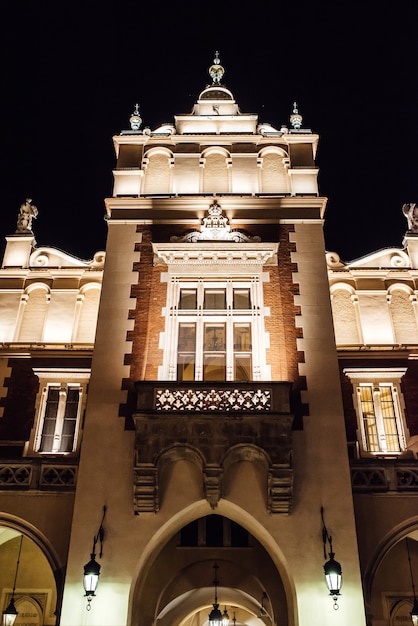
92 568
215 616
10 614
332 568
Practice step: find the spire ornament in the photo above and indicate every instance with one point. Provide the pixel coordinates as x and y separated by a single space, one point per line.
296 118
216 71
135 120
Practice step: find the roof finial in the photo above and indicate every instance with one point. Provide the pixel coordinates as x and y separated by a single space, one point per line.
296 118
135 119
216 71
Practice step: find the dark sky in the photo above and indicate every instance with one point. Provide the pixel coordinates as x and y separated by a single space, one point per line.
72 73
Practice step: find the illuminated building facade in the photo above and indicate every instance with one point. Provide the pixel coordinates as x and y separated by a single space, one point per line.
214 391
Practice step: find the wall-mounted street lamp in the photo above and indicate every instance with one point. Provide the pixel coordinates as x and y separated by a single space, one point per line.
332 569
92 568
265 600
414 612
10 614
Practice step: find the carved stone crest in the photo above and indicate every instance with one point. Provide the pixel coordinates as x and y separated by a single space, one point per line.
215 227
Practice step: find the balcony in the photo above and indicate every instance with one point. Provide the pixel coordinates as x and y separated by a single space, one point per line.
215 397
215 424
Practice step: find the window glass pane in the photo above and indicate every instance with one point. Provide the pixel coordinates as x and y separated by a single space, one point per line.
187 338
186 352
242 299
214 340
188 299
70 419
215 299
50 419
214 367
389 419
185 367
243 368
369 418
242 337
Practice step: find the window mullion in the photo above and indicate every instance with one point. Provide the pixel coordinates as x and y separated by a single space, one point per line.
230 348
380 427
60 418
199 347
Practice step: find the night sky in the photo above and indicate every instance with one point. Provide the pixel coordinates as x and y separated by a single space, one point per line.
71 75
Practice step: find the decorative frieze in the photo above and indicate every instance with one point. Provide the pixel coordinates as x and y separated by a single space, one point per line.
384 475
37 475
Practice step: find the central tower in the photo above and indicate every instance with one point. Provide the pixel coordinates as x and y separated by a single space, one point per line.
214 424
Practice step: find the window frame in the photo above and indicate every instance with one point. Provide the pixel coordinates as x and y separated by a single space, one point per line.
376 379
227 316
63 381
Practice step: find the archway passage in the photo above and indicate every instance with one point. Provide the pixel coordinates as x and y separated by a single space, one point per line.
212 560
395 581
25 569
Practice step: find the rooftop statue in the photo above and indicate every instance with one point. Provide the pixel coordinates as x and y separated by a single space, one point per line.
27 212
410 211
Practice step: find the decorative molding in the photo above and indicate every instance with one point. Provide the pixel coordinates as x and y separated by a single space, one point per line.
176 254
37 475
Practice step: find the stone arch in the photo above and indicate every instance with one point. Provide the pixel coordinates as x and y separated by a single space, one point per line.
157 167
381 552
188 461
33 314
273 175
273 150
86 319
216 172
250 464
346 324
40 545
149 558
404 320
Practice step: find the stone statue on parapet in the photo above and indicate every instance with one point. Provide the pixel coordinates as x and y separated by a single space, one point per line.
410 211
27 212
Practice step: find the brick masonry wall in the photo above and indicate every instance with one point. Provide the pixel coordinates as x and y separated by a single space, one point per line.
150 294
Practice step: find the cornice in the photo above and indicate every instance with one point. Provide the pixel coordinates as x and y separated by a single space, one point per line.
237 208
215 253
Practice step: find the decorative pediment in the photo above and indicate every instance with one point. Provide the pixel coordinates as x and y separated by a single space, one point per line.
386 258
51 257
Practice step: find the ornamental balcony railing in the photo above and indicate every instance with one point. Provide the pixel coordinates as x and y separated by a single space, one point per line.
215 397
38 474
384 475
